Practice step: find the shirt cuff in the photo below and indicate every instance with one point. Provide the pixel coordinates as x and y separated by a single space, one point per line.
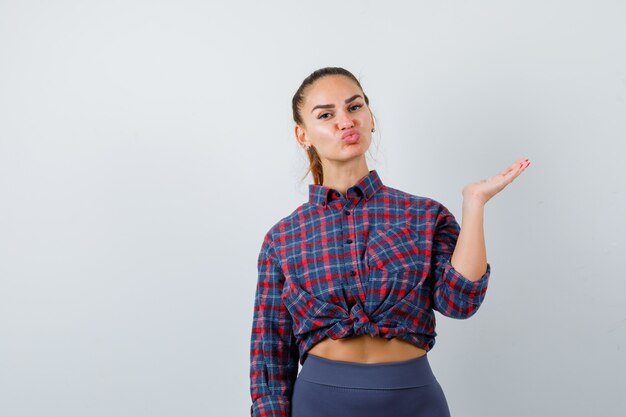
470 291
271 406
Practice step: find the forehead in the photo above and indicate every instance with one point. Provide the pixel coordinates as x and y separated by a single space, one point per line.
332 89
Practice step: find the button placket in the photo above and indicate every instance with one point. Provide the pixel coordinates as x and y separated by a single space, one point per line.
347 228
353 268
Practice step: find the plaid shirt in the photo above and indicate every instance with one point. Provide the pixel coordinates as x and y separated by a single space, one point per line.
375 261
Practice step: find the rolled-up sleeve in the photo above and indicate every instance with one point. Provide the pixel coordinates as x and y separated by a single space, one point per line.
273 351
453 294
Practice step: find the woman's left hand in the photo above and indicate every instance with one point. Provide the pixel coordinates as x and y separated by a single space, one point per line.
483 190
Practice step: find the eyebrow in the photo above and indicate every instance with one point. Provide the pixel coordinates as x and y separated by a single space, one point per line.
329 106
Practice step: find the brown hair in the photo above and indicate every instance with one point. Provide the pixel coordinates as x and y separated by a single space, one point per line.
315 163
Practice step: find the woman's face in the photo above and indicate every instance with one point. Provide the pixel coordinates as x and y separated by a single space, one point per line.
333 108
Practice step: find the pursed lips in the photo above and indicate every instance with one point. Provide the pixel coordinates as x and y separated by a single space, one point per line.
351 135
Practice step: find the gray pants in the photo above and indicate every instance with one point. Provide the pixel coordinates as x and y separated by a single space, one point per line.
330 388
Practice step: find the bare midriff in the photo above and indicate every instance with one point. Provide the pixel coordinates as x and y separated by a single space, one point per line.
366 349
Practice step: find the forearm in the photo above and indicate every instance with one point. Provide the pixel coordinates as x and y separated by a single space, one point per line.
470 255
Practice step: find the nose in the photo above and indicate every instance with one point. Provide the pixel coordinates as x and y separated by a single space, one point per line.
345 121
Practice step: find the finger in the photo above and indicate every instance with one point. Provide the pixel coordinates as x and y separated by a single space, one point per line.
523 165
510 168
518 170
515 167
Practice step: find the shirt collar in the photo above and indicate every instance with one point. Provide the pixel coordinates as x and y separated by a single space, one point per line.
366 187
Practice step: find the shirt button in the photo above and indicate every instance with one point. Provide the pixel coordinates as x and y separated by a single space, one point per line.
349 241
353 273
347 212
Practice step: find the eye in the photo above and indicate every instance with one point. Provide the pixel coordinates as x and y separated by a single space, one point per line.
321 116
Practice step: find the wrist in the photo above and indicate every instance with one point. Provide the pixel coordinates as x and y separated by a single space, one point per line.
473 203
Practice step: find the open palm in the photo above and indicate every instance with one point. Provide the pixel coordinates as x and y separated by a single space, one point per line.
483 190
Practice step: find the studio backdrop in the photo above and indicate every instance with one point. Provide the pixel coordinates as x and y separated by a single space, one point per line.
146 148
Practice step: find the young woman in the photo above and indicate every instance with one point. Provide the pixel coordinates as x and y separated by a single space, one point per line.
347 283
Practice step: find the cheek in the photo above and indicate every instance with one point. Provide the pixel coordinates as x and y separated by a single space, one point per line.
324 135
365 118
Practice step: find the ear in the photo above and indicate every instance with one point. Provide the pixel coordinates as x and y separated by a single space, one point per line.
300 134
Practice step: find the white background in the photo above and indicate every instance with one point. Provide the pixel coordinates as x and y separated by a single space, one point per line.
147 146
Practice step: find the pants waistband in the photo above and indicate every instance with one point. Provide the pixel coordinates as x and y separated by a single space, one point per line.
390 375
